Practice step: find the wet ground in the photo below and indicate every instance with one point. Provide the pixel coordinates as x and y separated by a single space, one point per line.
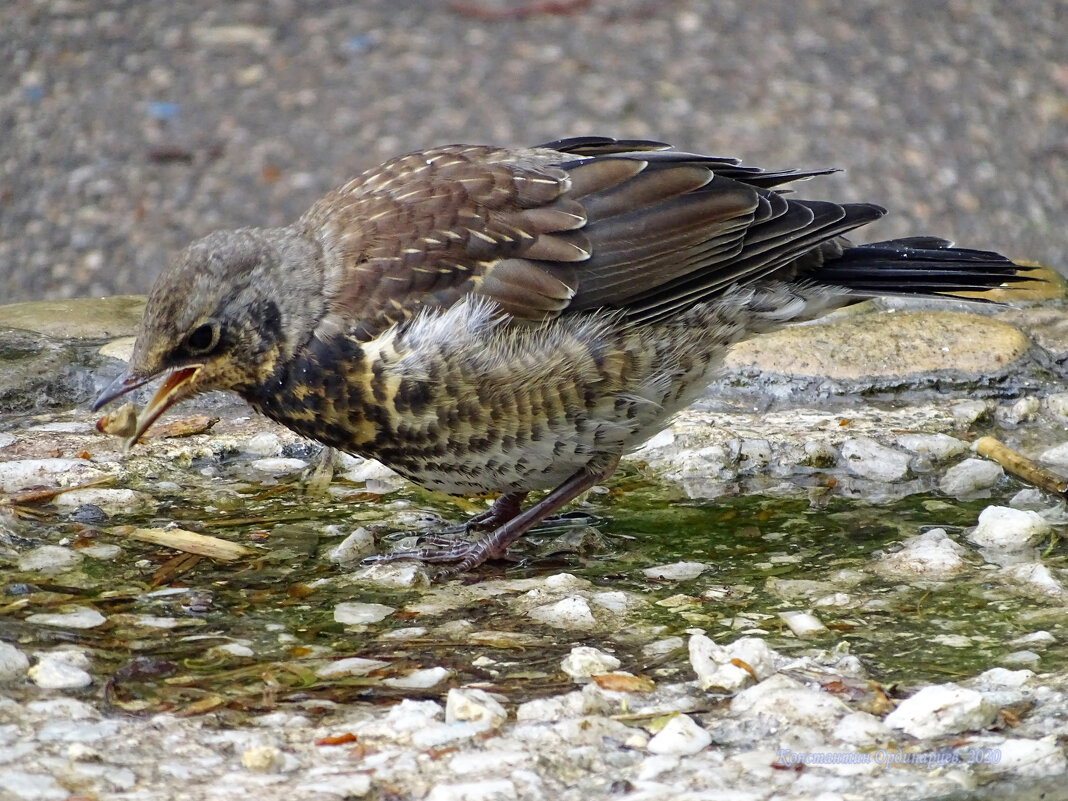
829 539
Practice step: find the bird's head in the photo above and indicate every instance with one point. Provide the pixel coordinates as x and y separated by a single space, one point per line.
221 316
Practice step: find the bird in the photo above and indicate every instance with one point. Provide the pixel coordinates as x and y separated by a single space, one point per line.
487 319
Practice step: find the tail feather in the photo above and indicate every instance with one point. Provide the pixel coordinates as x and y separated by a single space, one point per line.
917 266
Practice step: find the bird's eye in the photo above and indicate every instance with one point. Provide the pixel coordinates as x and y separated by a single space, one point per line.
202 339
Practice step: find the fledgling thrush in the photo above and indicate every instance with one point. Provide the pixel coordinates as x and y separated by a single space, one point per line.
485 319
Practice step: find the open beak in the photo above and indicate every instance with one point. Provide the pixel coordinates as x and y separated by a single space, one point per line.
172 390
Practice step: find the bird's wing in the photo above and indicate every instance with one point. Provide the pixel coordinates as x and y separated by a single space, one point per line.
574 224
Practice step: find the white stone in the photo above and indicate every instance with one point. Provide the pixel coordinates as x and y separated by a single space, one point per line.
931 555
102 551
788 701
680 736
942 709
967 412
937 446
612 600
970 477
26 786
486 790
111 501
1001 677
50 559
714 666
79 617
1023 410
754 454
237 649
266 443
422 679
1036 639
1024 657
869 459
473 763
58 674
568 613
346 785
862 730
13 662
661 647
1009 529
1035 577
584 661
803 624
395 575
350 666
20 473
277 465
471 705
352 613
263 759
1057 456
1057 403
355 546
1025 757
677 571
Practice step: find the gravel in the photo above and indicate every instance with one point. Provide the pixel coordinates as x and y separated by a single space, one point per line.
130 128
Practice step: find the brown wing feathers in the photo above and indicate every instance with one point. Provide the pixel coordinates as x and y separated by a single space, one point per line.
576 224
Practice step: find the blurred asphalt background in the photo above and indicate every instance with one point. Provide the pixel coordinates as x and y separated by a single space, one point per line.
128 128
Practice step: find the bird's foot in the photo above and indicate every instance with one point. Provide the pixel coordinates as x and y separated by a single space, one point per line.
466 554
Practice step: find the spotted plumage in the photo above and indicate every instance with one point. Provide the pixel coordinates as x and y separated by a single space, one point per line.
491 319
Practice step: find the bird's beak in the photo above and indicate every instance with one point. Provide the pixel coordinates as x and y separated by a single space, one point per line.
172 390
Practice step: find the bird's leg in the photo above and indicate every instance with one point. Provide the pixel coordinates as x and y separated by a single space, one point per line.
504 509
494 545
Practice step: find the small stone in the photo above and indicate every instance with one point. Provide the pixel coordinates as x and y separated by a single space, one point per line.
680 736
820 454
803 624
1036 639
355 546
1057 456
931 555
862 730
277 465
1021 658
19 473
469 705
661 647
352 613
1035 577
110 501
50 559
614 601
1025 757
568 613
942 709
422 679
1024 410
720 668
584 661
678 571
486 790
1009 529
785 699
79 617
869 459
938 447
970 477
264 444
263 759
58 674
967 412
1001 677
13 662
26 786
394 575
350 666
1057 403
754 454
